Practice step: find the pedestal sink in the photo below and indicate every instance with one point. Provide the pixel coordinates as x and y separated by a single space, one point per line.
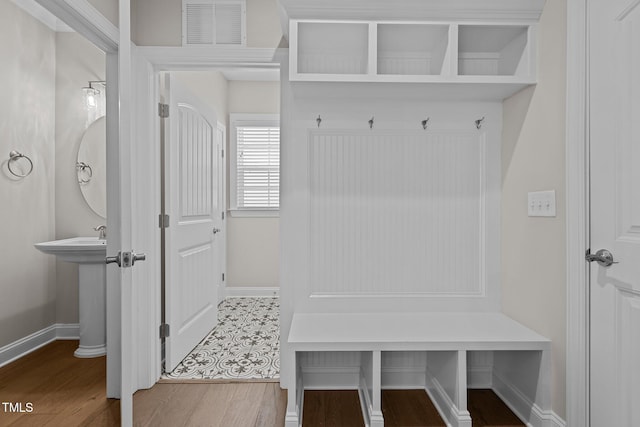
89 253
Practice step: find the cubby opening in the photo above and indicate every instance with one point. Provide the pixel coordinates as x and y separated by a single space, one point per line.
409 408
332 408
333 48
492 50
412 49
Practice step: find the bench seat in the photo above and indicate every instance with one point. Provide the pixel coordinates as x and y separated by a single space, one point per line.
520 363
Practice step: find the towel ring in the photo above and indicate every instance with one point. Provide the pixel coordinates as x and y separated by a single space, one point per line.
82 167
13 157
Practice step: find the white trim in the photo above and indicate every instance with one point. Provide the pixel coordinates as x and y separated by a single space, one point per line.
81 16
254 213
231 291
19 348
194 58
523 407
577 397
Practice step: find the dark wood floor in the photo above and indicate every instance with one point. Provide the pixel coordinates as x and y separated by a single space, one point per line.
66 391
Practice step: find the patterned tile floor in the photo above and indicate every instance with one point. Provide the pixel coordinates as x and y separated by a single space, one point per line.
245 344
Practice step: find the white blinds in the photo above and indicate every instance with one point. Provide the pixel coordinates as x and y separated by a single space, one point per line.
258 167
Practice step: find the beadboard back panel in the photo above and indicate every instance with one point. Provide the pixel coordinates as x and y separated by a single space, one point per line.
397 213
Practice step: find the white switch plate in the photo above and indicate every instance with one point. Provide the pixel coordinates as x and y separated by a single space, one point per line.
542 203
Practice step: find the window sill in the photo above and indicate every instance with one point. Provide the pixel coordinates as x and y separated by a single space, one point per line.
242 213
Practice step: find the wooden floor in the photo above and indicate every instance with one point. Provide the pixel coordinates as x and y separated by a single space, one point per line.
66 391
63 390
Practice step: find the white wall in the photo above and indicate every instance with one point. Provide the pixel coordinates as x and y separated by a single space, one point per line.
27 114
159 23
533 158
77 62
253 244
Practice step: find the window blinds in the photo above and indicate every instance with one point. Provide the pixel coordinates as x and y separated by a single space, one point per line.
258 167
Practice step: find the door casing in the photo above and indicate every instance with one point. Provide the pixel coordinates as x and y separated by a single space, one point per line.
577 225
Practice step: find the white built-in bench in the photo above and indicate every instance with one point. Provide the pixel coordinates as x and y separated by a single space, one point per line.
519 368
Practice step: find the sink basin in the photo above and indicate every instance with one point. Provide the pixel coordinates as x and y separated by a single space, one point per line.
89 253
77 249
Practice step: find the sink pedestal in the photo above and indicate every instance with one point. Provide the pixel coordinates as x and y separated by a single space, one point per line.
92 309
89 253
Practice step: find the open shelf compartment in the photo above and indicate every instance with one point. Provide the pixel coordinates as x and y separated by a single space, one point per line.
411 49
333 48
493 50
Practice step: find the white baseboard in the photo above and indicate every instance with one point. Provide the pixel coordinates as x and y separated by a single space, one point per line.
26 345
450 413
250 291
521 405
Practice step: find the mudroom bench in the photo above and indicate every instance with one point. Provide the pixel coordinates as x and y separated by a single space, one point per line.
369 352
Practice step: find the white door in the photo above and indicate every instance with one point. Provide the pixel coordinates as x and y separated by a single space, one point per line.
193 241
614 121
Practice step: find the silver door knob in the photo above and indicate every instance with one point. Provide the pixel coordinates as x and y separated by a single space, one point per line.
602 257
216 230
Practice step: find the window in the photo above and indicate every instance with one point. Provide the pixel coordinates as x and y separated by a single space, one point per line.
255 164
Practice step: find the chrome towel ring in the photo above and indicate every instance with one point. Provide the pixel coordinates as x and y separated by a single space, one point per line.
85 173
14 156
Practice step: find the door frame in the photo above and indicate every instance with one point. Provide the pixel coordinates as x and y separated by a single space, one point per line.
97 29
577 222
156 60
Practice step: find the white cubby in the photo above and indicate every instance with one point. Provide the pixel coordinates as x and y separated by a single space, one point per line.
492 50
332 48
411 49
454 59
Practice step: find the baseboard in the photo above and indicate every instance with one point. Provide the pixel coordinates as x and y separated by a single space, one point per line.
251 291
24 346
332 378
521 405
450 413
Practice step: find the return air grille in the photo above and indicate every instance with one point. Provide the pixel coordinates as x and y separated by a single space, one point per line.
210 22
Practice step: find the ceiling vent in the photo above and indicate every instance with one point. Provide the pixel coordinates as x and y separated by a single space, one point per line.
213 23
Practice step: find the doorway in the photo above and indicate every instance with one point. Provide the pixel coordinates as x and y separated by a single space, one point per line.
228 90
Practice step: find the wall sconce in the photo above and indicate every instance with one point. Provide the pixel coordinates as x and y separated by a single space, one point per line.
95 101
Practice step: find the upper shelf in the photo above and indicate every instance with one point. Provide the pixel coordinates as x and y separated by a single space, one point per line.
421 52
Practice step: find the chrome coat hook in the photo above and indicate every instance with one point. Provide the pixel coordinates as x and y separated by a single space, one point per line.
479 123
425 123
319 120
14 156
371 123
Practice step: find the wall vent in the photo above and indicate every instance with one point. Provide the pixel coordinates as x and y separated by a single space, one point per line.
213 23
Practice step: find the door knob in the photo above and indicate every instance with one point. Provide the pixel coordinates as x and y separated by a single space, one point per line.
216 230
126 259
602 257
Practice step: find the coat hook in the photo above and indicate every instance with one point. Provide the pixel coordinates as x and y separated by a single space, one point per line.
371 123
425 123
319 120
479 122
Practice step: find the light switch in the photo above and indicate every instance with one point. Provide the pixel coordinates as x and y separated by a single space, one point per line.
542 203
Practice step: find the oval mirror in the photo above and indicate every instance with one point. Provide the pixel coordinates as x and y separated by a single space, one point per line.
91 166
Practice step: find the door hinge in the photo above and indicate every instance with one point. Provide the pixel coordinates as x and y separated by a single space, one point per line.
223 215
223 277
163 221
164 330
222 153
163 110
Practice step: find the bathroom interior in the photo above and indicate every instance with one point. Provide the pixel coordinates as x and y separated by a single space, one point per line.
48 112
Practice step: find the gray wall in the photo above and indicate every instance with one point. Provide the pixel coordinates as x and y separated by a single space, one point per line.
27 124
77 62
